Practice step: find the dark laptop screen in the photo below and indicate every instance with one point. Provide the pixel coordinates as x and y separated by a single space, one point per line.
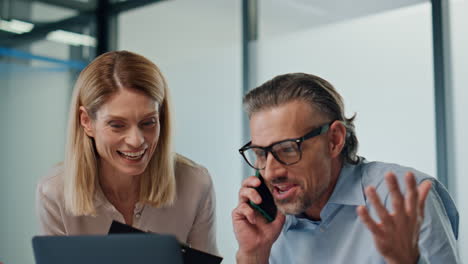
115 249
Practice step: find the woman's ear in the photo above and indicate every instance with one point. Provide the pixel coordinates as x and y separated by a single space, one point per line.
86 122
337 136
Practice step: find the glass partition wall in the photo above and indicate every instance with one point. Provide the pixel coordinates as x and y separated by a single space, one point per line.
40 57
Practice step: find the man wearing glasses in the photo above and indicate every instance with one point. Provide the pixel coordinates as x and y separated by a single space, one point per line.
333 206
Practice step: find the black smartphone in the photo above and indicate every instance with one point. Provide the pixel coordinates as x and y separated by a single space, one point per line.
267 207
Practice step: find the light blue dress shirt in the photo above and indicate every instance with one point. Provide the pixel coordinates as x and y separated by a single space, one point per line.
341 237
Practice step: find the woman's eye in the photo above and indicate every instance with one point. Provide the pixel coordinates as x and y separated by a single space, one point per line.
116 125
149 123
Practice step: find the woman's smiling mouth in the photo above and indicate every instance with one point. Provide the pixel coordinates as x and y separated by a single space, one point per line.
132 155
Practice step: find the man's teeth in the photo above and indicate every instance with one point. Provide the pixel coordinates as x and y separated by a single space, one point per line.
283 188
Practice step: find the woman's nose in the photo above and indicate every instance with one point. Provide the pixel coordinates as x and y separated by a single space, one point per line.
135 138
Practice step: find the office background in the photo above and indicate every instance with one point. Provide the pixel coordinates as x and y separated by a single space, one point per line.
405 77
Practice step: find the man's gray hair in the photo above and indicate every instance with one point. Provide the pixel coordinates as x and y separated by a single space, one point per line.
317 92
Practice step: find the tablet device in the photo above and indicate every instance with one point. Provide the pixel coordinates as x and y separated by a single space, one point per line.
100 249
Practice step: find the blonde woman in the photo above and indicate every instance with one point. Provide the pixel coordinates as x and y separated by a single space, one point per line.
119 163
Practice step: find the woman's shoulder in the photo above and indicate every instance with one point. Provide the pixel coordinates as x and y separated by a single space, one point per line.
51 185
189 172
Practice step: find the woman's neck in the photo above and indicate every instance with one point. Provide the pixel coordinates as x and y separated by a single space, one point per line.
119 188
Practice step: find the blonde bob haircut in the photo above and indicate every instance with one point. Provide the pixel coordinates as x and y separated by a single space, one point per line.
105 76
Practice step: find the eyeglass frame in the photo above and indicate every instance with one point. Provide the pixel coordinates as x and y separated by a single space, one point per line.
269 149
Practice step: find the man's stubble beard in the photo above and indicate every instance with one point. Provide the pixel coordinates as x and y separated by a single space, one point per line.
300 203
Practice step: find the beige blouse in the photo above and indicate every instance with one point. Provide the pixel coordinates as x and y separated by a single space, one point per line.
191 219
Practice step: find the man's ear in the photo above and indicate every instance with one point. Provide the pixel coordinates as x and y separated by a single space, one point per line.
86 122
337 138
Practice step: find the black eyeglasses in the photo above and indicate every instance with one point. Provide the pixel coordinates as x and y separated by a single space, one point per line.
286 151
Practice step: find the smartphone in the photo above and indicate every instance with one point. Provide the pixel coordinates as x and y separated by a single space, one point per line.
267 207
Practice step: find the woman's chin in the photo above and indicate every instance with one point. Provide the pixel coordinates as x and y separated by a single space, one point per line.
131 170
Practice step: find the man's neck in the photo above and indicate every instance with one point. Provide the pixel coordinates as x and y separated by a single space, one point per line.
313 213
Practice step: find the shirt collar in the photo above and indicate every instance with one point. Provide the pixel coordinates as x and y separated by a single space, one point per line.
101 200
349 189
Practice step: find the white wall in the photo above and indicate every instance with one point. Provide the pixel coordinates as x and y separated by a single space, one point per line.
197 45
459 32
382 66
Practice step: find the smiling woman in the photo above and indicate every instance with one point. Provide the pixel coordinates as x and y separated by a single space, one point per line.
119 164
126 132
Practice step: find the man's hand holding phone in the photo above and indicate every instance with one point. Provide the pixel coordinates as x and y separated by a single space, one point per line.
267 207
254 233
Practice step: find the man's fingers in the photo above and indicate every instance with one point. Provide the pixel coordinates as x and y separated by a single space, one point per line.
244 211
385 218
397 198
368 221
249 194
251 181
411 203
423 191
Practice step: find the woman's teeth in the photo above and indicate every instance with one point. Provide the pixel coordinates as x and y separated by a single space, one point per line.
132 155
